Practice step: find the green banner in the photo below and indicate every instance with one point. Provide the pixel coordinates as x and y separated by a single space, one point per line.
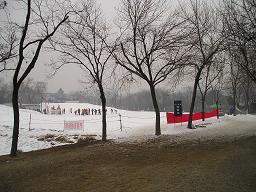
215 106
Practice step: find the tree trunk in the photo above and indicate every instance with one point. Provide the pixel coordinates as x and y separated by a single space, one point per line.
194 98
217 105
104 114
234 102
203 108
15 105
247 97
155 104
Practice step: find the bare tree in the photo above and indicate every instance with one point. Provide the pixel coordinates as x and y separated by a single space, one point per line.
84 41
151 44
240 19
246 90
218 88
3 4
206 36
30 45
209 77
234 79
7 40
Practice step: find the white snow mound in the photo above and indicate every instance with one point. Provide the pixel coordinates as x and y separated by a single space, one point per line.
37 133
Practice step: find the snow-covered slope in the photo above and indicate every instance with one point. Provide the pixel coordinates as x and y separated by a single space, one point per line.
133 125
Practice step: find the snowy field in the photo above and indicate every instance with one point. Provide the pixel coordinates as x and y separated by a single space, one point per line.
48 130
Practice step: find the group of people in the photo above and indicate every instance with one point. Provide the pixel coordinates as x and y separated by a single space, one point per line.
88 111
53 110
79 111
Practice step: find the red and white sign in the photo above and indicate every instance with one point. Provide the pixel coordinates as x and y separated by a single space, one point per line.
74 125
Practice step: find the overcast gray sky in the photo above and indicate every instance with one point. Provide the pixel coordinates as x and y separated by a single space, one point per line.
69 76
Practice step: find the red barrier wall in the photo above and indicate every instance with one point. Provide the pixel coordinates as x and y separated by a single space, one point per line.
184 118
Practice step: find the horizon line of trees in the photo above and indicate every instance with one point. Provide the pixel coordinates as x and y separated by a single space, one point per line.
33 92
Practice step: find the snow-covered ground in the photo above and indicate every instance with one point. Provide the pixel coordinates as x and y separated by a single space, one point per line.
135 125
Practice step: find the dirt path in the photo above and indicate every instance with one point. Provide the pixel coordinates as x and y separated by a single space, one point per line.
148 166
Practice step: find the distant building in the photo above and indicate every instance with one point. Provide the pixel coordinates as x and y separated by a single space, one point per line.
58 97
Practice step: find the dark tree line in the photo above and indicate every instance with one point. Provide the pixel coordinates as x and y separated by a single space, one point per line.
31 92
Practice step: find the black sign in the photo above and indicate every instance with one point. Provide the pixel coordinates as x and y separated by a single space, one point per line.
177 108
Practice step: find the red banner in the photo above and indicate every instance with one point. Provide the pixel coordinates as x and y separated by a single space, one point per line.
184 118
